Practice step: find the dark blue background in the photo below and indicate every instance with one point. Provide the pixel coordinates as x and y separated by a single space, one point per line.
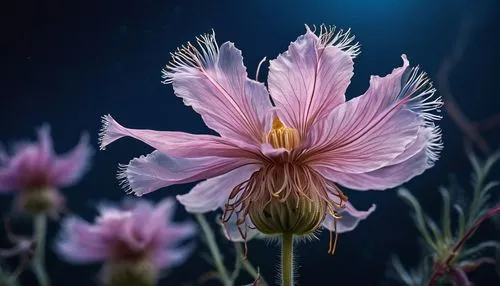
69 62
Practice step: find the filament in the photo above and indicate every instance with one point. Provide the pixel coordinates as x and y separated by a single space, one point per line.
333 242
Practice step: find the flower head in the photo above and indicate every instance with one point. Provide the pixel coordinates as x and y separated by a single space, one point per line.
37 173
135 241
280 164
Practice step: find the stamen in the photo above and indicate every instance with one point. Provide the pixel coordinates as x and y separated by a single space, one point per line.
245 245
243 231
286 190
281 136
258 69
330 243
337 192
333 246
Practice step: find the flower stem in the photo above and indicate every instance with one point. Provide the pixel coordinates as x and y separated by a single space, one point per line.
214 250
444 266
7 279
287 259
247 265
40 230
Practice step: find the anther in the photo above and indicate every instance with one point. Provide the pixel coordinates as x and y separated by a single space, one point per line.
281 136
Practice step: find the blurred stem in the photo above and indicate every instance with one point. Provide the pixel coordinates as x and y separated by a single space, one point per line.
7 279
40 232
471 230
445 218
237 263
287 259
419 216
214 250
473 209
461 221
247 265
445 265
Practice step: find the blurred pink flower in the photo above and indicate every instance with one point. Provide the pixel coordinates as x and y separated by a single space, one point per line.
136 234
269 158
37 173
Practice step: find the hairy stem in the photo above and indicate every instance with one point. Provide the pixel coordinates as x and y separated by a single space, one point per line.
38 263
214 250
287 259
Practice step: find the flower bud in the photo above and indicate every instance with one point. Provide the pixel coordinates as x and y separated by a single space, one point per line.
42 200
130 272
299 216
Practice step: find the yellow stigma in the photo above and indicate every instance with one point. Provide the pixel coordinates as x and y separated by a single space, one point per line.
281 136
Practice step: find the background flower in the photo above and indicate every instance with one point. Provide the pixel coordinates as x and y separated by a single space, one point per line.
138 235
36 173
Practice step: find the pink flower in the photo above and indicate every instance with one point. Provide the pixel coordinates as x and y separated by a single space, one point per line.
276 167
138 234
36 172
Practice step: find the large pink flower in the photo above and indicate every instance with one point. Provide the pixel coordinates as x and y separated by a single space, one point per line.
36 172
135 234
268 157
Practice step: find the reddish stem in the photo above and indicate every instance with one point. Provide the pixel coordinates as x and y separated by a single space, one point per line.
443 268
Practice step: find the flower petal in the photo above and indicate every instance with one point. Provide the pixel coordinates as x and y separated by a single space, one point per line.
159 218
174 234
370 131
347 147
175 143
157 170
46 151
214 82
240 233
171 257
350 218
80 242
70 167
213 193
9 180
15 173
309 80
417 158
137 234
164 210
